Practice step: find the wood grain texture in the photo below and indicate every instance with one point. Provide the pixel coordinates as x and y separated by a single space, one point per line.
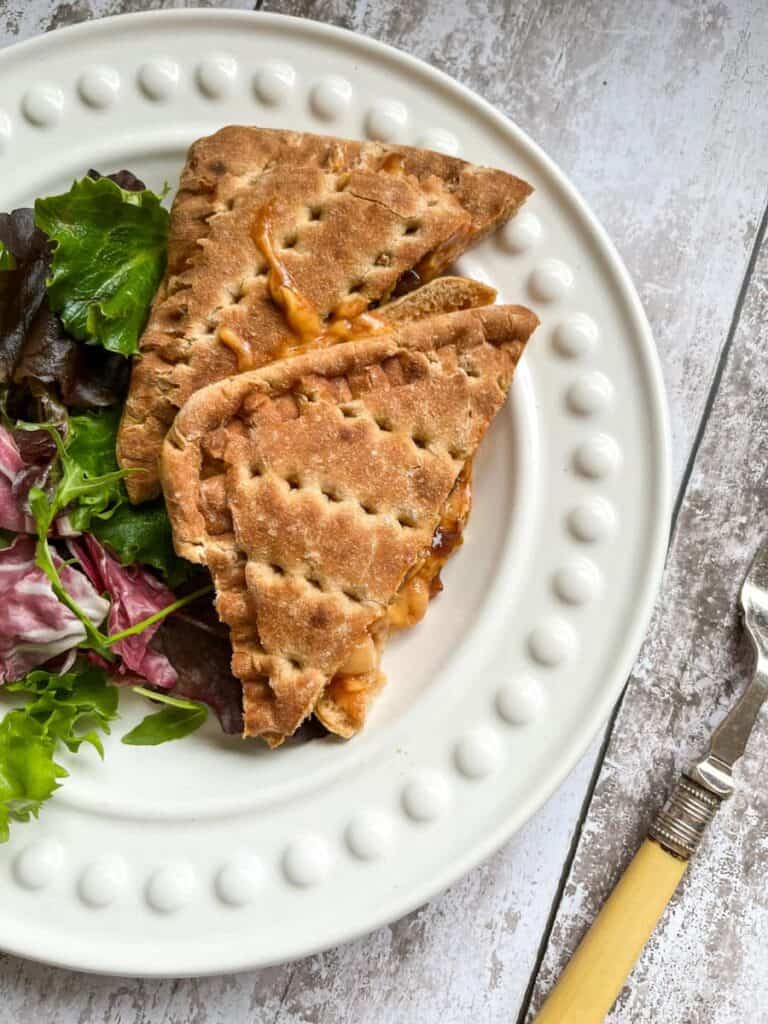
705 963
662 124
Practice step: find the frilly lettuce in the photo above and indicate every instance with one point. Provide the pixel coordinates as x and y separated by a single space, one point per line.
70 708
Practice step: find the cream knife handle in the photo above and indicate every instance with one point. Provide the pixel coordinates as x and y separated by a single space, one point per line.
603 961
596 974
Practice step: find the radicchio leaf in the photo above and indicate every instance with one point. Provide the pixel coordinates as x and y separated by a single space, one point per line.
134 594
34 625
26 458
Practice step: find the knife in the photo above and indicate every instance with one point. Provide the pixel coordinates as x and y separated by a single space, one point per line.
593 979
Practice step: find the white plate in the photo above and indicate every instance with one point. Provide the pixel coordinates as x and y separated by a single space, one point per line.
213 855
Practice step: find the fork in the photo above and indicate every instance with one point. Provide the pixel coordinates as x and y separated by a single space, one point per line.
601 964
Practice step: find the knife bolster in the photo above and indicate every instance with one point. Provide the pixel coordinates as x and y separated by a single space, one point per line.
682 822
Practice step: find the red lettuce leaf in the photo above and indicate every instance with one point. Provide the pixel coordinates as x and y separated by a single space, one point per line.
197 644
125 179
81 376
22 289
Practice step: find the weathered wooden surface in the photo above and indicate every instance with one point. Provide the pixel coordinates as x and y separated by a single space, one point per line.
707 960
658 114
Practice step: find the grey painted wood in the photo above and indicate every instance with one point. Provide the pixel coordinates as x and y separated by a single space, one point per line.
661 122
706 961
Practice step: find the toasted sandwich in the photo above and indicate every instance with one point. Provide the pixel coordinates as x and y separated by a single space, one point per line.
324 491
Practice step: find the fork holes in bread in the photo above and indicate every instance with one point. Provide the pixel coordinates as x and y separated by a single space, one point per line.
412 227
315 213
278 570
212 467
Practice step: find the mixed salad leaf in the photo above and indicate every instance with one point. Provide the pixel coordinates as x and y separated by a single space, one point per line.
135 595
27 253
109 257
178 719
95 598
35 625
135 534
44 368
70 708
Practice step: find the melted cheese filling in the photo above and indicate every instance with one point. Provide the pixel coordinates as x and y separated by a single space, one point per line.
241 348
308 329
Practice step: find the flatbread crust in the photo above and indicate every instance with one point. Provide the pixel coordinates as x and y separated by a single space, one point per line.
350 222
313 486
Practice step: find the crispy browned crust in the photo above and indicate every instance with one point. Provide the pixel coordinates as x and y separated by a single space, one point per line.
346 219
311 487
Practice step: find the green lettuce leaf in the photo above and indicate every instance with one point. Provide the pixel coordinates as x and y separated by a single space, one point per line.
74 486
109 259
28 772
90 453
91 440
135 534
178 719
74 706
72 709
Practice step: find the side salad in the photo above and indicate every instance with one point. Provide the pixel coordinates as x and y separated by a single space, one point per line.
94 598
